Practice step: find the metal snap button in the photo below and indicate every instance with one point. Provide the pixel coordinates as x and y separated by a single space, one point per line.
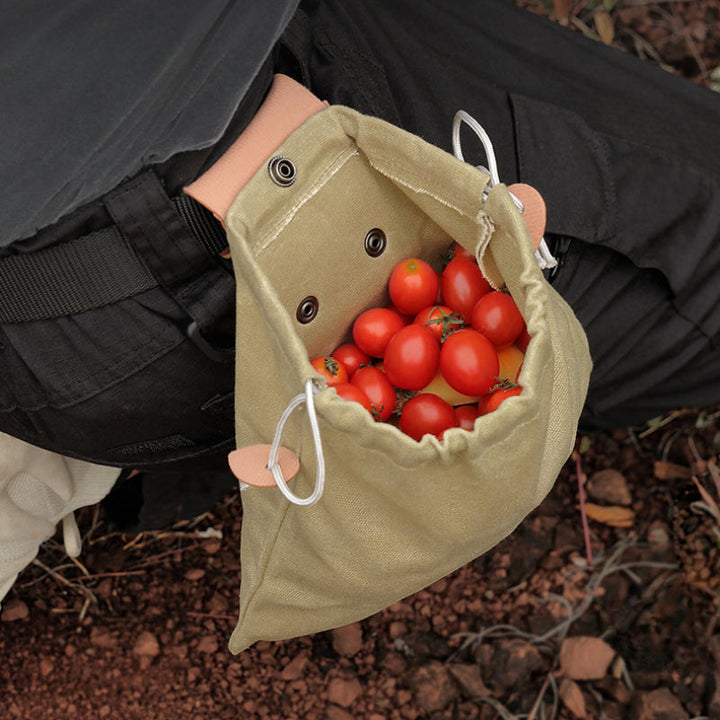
307 309
282 171
375 242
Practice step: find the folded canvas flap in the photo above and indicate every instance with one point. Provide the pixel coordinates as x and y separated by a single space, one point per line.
396 514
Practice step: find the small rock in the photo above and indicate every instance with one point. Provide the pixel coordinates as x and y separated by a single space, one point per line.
347 640
46 666
394 664
194 574
294 669
515 661
397 629
218 604
585 658
334 712
14 610
212 546
433 687
658 704
616 689
572 697
427 645
469 678
344 691
609 486
100 637
208 644
146 645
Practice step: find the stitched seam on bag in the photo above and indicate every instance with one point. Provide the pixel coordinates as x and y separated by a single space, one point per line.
423 191
332 168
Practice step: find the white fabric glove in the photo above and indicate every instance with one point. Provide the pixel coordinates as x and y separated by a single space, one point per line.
38 489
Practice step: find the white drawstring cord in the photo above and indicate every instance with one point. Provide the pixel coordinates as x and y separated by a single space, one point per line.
274 466
71 535
543 256
462 117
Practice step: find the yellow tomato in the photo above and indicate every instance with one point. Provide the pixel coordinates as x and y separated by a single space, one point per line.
510 358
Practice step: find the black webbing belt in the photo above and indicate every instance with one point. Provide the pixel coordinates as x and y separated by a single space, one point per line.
155 241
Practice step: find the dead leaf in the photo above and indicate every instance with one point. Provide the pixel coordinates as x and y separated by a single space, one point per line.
572 697
605 26
670 471
585 658
612 515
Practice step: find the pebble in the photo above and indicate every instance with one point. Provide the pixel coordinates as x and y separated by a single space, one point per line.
208 644
14 610
609 486
585 658
433 687
469 677
347 640
146 645
194 574
515 661
334 712
397 629
658 704
344 691
102 638
294 669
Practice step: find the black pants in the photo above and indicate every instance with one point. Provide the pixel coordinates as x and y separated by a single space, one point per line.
625 155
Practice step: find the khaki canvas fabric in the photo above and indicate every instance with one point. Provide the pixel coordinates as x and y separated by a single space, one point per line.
395 514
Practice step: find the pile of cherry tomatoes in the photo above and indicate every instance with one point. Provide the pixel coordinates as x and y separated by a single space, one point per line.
447 350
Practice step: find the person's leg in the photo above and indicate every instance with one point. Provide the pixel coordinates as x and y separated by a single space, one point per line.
617 147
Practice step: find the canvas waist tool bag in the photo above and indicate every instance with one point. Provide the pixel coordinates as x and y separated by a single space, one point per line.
385 515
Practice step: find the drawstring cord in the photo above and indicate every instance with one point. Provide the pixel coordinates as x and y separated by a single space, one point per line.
543 256
274 466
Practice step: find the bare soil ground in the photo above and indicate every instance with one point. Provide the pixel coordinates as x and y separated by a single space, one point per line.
610 613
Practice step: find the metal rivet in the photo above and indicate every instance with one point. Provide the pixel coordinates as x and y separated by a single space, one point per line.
375 242
307 309
282 171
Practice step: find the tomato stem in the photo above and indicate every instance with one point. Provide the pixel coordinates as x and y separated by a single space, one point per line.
503 384
331 365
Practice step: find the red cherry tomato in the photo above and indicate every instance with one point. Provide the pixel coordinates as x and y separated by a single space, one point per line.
491 402
465 415
378 389
440 319
457 250
462 285
469 362
413 285
333 371
497 317
373 329
351 356
348 391
426 413
523 339
411 357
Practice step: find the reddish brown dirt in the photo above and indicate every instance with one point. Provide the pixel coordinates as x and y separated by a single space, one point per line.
144 637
